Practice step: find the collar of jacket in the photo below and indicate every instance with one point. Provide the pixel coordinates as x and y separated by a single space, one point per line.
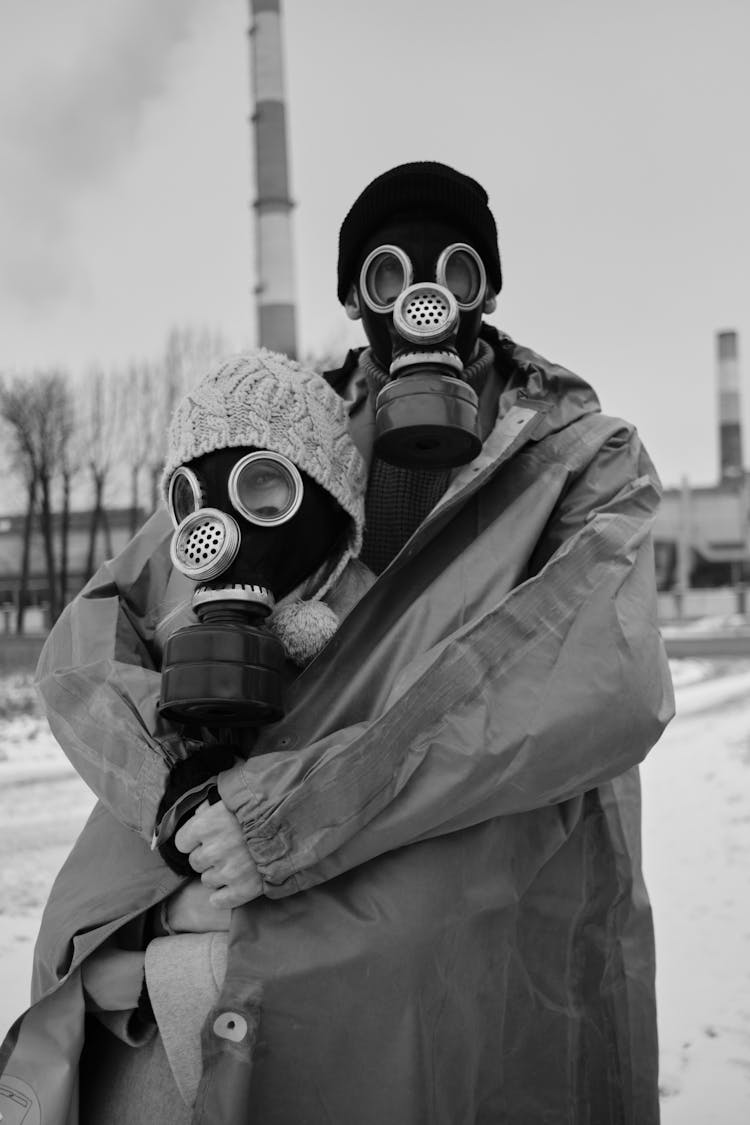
524 415
526 398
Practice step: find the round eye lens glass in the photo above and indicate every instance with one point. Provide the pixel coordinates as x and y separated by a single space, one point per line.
385 278
462 277
265 491
184 496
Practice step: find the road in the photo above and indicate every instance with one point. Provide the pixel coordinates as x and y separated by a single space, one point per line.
698 645
39 820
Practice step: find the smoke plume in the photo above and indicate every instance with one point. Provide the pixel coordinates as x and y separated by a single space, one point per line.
75 82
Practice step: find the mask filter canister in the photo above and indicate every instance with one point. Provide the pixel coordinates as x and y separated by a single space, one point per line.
229 671
427 416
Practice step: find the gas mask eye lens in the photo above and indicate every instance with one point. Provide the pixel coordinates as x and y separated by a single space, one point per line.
385 279
460 269
267 493
185 495
265 488
462 277
386 272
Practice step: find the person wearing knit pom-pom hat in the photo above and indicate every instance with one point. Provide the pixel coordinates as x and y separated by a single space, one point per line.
260 444
438 910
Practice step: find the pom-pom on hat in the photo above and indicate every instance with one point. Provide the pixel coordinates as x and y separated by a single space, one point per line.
266 400
421 186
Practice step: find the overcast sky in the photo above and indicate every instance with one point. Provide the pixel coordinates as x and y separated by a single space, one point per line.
608 134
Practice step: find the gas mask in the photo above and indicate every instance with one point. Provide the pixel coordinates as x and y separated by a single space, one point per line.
421 294
250 527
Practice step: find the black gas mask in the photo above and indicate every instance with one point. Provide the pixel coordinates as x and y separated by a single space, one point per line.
249 528
421 293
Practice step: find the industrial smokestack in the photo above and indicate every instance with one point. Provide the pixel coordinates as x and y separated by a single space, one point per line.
730 425
273 227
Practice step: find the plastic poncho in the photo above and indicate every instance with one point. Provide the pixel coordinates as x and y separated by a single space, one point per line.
455 928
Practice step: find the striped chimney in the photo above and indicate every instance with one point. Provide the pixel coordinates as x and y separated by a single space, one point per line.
730 426
273 226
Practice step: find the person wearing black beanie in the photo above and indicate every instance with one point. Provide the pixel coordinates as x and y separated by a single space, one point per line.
532 415
423 208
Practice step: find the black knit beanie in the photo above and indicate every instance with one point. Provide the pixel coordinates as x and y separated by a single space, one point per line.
424 185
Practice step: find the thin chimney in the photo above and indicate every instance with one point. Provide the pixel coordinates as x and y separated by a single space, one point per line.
730 424
273 226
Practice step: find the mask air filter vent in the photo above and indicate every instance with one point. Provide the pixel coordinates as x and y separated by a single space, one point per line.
205 544
425 314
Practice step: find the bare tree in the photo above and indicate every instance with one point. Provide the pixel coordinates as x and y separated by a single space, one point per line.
101 409
334 350
36 410
52 419
16 410
70 464
139 389
187 355
111 421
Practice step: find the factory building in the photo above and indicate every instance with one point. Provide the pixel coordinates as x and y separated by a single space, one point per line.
701 534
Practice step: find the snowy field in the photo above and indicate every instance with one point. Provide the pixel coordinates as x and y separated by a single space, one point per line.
696 829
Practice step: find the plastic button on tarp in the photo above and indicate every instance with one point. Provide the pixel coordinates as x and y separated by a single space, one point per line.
231 1025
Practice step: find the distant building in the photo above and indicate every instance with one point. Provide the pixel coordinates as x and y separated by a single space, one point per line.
110 539
702 534
715 520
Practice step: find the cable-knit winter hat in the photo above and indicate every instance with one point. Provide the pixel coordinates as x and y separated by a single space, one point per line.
269 401
421 186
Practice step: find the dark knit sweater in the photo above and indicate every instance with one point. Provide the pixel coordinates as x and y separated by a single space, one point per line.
399 499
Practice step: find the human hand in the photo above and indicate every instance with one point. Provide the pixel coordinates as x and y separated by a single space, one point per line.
113 978
189 910
213 839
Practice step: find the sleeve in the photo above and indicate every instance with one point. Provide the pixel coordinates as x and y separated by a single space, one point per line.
560 686
99 680
135 1027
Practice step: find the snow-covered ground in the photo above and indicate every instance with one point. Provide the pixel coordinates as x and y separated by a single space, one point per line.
43 805
725 623
696 838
